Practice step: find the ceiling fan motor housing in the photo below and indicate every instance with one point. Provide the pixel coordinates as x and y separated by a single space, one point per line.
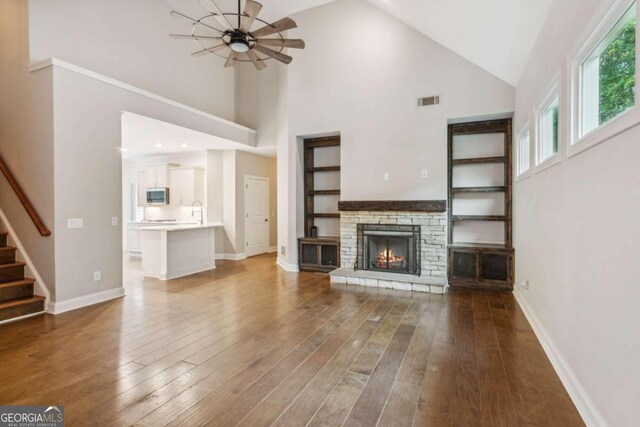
238 42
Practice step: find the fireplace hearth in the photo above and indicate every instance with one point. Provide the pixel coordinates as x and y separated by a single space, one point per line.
389 248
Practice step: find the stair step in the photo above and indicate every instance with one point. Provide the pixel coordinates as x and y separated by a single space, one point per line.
11 291
21 307
11 272
7 254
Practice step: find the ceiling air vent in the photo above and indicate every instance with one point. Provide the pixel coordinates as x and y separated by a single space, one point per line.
428 101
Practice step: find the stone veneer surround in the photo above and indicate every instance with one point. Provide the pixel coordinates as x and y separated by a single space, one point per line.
433 244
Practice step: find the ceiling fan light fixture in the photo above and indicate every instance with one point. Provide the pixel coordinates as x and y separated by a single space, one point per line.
238 43
243 43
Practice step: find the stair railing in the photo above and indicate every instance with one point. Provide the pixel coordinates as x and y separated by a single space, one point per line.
37 221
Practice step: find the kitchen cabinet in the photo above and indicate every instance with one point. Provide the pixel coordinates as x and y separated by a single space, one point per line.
186 185
141 187
157 176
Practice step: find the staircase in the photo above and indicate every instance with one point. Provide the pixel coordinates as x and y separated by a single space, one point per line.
16 292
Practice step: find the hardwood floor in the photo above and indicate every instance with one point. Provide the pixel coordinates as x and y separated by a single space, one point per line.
249 344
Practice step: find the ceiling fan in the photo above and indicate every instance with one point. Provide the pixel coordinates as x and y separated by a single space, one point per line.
237 41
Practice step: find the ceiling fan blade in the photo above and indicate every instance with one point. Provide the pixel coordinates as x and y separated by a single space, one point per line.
195 21
259 63
278 26
294 43
231 59
209 50
251 10
211 7
189 36
286 59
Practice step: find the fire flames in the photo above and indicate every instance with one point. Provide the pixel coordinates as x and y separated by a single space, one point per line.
395 261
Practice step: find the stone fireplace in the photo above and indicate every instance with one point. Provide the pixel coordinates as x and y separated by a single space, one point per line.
393 244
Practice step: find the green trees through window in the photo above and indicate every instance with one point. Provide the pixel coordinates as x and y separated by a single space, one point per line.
618 74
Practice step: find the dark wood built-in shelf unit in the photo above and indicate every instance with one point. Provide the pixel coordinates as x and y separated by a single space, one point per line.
481 265
318 253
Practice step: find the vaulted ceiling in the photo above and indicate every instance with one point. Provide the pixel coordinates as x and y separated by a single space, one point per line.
496 35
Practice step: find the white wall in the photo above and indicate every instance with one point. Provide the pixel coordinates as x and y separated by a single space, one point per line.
129 41
577 241
26 137
88 180
361 75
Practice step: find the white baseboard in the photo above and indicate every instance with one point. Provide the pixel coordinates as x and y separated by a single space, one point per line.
272 249
292 268
84 301
232 257
587 409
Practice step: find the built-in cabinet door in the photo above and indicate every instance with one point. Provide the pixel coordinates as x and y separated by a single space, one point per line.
142 184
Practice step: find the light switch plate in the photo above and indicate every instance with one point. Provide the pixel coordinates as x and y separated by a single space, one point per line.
114 220
385 177
75 223
424 173
97 276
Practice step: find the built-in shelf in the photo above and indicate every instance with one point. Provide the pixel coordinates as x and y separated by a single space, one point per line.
465 245
479 189
319 254
324 215
479 218
324 169
324 192
321 239
473 264
478 160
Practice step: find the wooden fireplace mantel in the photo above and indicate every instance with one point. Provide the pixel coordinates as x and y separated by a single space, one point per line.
394 205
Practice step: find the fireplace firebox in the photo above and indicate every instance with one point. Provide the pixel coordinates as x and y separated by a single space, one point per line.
389 248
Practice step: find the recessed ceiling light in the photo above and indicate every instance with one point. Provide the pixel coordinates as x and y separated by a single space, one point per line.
159 145
184 145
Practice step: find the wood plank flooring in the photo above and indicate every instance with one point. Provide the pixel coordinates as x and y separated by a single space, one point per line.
251 345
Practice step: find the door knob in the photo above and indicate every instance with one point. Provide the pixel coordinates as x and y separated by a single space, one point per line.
266 220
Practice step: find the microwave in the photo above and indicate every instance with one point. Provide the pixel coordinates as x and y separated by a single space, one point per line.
158 196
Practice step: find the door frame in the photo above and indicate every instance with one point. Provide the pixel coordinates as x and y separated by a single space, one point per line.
246 224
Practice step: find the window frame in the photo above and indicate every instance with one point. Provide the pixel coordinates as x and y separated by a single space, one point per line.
551 94
526 128
606 21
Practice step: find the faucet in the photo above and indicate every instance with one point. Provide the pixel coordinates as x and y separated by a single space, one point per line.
201 214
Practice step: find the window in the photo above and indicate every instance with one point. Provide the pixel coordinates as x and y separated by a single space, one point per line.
548 129
524 150
608 75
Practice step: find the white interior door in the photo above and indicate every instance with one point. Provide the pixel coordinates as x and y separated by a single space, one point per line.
256 207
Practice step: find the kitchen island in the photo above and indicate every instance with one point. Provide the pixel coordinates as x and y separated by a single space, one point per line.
173 251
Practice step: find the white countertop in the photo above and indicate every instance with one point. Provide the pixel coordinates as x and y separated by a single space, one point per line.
163 223
179 227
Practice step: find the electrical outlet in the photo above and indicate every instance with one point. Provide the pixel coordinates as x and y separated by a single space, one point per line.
385 177
525 284
114 220
97 276
424 173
